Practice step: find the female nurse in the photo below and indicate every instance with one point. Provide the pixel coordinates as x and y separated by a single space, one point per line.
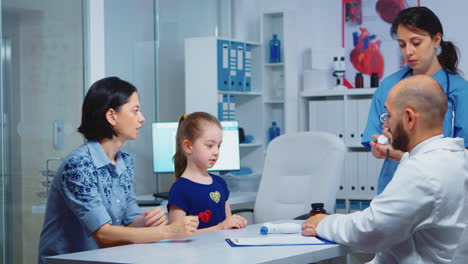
420 36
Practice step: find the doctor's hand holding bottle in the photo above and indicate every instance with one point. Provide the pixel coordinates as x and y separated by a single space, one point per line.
385 150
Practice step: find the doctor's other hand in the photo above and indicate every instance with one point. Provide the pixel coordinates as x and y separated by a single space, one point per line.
310 225
233 221
155 217
183 227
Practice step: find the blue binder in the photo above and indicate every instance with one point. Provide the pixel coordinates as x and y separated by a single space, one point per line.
232 107
232 66
248 68
225 114
239 86
220 107
223 65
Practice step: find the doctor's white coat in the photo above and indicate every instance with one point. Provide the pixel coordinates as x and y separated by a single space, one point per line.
420 216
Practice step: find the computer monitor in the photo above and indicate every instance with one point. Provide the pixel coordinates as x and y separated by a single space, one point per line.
164 134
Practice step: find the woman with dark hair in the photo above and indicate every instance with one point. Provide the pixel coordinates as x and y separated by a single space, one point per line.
91 203
420 36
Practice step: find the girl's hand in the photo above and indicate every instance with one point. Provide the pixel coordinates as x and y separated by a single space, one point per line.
233 221
155 217
182 228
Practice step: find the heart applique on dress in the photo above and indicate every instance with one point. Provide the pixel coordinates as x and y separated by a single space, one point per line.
215 196
205 216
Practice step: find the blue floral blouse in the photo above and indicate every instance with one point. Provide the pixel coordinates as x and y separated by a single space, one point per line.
87 192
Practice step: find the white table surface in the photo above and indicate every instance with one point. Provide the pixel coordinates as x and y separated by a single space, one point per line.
204 249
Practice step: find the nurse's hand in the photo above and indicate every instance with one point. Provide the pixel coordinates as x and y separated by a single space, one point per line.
310 225
155 217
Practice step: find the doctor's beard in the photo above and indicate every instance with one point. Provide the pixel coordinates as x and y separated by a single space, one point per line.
400 138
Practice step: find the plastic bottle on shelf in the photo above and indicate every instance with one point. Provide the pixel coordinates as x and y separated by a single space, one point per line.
342 64
282 228
273 131
275 49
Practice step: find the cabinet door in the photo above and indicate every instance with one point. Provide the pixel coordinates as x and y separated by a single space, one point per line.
362 171
343 187
351 134
373 174
314 117
335 117
351 165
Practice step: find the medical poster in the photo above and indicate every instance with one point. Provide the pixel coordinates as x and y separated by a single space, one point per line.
369 47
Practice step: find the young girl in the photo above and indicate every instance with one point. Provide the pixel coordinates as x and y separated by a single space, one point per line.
197 192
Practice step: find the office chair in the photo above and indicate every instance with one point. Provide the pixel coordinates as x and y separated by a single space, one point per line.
299 169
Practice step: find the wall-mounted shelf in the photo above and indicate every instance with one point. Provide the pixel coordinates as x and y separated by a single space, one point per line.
330 92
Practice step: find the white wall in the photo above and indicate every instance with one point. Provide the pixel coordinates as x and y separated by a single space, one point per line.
318 25
454 19
130 55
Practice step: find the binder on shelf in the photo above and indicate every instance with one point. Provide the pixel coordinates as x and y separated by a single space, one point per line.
225 108
362 173
340 207
248 68
232 66
351 165
354 206
223 65
220 107
352 136
239 84
365 204
232 107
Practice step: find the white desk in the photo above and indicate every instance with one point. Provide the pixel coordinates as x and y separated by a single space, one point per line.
205 249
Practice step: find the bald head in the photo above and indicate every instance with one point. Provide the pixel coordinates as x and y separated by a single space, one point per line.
424 95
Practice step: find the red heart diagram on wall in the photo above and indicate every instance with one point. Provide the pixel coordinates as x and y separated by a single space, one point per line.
366 56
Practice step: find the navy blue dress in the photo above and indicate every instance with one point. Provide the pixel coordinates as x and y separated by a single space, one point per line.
207 201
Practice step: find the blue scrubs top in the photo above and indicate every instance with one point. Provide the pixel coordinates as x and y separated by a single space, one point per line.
208 201
87 192
455 122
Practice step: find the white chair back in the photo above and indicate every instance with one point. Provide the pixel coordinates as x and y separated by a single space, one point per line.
299 169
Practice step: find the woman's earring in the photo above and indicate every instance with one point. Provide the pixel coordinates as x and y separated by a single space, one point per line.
438 50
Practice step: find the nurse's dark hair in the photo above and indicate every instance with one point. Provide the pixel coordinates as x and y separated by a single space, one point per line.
104 94
421 18
190 128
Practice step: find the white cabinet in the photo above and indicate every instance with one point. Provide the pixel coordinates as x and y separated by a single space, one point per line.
344 113
263 92
279 80
220 68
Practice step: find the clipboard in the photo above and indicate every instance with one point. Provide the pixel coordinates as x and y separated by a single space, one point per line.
277 240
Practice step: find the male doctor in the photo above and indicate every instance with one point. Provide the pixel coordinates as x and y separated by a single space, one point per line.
420 216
